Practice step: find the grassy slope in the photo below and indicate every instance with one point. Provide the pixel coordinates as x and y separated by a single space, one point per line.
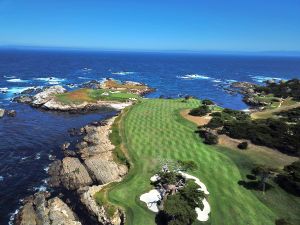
152 131
93 95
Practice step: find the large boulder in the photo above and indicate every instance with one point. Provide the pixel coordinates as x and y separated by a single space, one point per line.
105 171
23 99
38 210
73 174
47 94
69 173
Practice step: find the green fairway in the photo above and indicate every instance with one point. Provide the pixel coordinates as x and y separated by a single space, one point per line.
152 131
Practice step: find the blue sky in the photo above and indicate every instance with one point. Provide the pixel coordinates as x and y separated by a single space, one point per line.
222 25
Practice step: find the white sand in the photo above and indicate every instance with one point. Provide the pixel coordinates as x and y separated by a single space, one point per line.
151 198
154 178
120 106
203 215
197 181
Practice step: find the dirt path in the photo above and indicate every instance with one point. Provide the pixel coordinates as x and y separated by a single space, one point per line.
269 112
199 120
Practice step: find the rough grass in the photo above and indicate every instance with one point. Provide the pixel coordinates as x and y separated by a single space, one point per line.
115 84
154 131
101 200
287 104
94 95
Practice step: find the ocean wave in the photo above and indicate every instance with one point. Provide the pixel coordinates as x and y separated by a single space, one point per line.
9 77
194 77
123 73
38 156
86 69
17 80
1 178
3 90
217 81
46 168
85 78
12 217
262 79
13 90
50 80
230 81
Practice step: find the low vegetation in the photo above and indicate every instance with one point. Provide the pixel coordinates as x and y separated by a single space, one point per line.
94 95
273 132
284 89
101 200
289 178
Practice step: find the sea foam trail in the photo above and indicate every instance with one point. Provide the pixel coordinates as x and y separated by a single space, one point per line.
17 80
123 73
50 80
194 77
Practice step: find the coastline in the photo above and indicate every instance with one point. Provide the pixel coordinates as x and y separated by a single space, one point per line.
98 152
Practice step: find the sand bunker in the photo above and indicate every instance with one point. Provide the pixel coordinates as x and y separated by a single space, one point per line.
152 197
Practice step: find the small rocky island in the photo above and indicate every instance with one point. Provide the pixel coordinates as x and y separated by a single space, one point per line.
91 96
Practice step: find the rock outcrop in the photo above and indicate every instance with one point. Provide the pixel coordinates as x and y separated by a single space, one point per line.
46 95
105 171
2 112
88 199
38 210
70 173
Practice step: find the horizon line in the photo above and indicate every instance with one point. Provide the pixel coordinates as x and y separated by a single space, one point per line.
208 51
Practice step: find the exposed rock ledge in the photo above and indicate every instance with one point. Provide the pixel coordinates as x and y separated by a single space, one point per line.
40 211
95 164
88 199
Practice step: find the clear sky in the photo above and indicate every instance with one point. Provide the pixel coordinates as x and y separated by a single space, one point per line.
225 25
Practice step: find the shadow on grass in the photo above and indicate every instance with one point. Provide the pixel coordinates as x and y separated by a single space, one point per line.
254 185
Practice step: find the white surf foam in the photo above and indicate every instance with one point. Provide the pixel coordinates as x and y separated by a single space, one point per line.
85 78
1 178
17 80
9 77
12 217
262 79
194 77
3 90
17 90
50 80
123 73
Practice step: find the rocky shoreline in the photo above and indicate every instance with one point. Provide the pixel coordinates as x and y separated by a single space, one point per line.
83 171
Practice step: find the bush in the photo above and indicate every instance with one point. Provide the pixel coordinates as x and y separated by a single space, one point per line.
215 122
289 178
200 111
207 102
243 145
211 139
187 165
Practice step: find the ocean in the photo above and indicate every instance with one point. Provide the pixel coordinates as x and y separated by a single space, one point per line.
30 140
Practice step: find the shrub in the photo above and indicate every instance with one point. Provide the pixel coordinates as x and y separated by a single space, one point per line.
215 122
200 111
207 102
187 165
243 145
289 178
211 139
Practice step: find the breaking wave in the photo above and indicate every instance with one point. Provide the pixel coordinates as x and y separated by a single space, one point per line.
194 77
